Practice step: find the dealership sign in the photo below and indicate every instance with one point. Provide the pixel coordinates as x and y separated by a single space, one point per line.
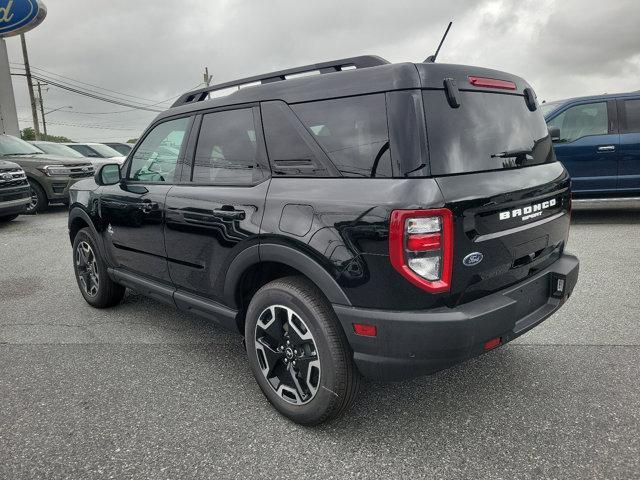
18 16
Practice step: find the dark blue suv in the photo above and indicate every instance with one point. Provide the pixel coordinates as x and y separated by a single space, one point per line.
597 139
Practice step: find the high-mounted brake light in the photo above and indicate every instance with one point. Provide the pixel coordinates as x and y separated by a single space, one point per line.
492 83
421 247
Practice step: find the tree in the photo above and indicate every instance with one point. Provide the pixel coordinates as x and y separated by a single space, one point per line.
132 140
30 134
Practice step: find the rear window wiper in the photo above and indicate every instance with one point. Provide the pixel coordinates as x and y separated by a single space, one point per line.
520 156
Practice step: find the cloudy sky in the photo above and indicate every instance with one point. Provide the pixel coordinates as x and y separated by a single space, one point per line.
147 51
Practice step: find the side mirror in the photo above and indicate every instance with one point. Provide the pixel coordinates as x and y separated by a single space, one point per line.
108 174
554 132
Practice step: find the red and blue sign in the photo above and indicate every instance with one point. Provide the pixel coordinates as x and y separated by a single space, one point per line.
18 16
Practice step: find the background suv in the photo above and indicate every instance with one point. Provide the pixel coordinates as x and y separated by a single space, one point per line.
97 150
49 176
62 150
14 191
377 219
123 148
597 139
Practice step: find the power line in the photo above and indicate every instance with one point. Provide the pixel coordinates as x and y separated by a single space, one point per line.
135 123
83 125
19 65
89 91
84 83
133 109
88 94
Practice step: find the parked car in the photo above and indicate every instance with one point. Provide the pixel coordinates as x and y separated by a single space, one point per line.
97 150
376 219
597 139
49 176
123 148
63 150
14 191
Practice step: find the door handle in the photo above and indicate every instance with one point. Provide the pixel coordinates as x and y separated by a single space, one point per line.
606 148
147 206
231 214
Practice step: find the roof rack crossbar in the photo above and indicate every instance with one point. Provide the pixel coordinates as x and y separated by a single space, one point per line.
363 61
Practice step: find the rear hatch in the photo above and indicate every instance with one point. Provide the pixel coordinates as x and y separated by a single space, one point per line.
492 156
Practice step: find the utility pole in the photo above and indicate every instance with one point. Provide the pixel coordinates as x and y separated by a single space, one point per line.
207 77
44 122
34 108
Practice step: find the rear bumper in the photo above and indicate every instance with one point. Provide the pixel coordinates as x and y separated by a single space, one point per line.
410 344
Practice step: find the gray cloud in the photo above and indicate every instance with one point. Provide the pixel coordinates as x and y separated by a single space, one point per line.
154 50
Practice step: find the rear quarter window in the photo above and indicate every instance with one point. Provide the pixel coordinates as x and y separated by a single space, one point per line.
489 131
352 131
631 116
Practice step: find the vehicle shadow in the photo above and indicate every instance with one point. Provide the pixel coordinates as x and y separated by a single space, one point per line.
487 385
51 210
54 209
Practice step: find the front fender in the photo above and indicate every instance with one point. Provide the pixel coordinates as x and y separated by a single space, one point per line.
77 212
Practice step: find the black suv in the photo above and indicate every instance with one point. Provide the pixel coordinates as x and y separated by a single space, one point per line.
389 220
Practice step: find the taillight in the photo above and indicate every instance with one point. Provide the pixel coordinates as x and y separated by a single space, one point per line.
421 247
491 83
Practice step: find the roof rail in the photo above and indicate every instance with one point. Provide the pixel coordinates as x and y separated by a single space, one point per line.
363 61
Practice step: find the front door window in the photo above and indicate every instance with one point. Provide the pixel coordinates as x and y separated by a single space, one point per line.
156 158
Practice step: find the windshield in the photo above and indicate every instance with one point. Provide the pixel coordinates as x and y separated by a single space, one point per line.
489 131
549 107
105 151
120 147
58 149
10 145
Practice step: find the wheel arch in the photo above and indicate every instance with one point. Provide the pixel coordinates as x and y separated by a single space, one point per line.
79 219
262 263
34 179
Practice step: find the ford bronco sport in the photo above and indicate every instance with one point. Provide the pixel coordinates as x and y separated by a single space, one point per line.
375 219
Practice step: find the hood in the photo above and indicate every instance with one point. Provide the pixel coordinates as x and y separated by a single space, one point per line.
46 159
4 164
98 162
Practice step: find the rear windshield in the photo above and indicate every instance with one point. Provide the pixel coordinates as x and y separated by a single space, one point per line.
489 131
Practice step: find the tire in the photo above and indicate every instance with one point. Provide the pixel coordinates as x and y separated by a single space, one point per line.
39 200
326 384
94 282
8 218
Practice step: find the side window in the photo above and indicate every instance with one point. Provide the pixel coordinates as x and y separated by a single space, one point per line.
353 132
582 120
227 150
85 151
289 152
631 114
156 158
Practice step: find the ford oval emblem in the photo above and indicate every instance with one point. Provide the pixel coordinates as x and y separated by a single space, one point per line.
472 259
18 16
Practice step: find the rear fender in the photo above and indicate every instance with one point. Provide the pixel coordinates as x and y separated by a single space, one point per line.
268 252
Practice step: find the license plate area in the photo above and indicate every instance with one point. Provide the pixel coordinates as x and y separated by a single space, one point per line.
531 297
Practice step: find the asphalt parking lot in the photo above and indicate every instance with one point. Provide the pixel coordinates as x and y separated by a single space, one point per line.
144 391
